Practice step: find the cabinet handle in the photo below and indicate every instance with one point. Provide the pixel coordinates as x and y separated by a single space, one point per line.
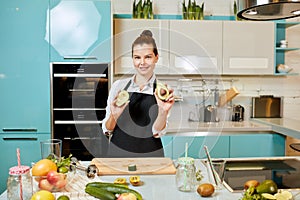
78 138
14 139
80 57
19 130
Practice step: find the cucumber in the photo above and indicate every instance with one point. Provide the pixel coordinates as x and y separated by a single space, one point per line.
100 193
119 190
101 184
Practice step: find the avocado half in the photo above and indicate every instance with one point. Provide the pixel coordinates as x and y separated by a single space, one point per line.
122 98
162 91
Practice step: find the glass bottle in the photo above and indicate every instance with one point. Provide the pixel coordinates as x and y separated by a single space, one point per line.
186 174
19 183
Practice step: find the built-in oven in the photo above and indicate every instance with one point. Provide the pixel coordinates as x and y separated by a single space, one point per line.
79 94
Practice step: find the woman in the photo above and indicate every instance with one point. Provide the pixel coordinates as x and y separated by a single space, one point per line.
134 129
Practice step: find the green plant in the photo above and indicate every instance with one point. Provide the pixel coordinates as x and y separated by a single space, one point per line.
143 9
192 10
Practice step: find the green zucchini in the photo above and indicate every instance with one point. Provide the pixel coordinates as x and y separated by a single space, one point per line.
101 184
119 190
100 193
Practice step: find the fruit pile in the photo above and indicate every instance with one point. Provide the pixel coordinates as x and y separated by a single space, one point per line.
267 190
51 174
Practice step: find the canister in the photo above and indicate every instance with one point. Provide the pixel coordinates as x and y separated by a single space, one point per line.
185 174
19 183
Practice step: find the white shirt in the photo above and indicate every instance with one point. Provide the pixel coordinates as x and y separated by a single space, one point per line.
133 87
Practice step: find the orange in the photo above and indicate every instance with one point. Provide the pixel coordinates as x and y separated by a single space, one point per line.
42 167
43 195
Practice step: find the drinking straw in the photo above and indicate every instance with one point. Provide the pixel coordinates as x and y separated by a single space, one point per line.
186 149
20 176
210 164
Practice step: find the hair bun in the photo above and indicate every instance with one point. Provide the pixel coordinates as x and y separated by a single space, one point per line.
146 33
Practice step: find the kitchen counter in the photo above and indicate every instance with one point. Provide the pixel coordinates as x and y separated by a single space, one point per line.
215 128
285 126
154 187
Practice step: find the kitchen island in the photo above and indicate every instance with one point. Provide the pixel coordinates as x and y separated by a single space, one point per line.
154 187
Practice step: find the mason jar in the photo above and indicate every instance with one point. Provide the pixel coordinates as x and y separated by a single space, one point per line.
186 174
19 183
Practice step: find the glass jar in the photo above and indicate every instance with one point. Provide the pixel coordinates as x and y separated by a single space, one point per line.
19 183
186 174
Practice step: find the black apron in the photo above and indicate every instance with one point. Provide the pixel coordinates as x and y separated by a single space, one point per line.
132 136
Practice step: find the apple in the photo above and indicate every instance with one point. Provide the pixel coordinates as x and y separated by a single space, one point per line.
45 185
53 177
60 184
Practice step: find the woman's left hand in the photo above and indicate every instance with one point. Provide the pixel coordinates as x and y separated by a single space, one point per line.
166 104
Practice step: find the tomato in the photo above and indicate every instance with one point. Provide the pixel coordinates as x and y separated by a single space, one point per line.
42 167
43 195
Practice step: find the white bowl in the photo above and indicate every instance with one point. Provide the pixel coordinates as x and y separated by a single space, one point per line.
283 68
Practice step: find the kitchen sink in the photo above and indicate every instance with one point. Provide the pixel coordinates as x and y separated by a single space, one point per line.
284 171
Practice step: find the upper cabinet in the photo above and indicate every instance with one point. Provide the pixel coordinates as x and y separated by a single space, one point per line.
80 30
200 46
24 71
195 47
127 30
248 47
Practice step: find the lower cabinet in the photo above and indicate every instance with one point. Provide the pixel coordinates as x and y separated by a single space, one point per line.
29 145
257 145
174 146
237 145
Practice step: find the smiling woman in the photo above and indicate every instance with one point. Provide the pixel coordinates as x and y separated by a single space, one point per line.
134 128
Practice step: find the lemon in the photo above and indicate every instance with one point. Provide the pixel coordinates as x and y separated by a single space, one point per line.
284 195
268 196
43 195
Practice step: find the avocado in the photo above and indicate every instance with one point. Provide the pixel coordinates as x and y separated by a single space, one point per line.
162 91
122 98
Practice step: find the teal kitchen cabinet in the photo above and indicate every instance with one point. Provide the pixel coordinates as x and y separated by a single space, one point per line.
218 146
30 151
24 81
80 30
257 145
24 71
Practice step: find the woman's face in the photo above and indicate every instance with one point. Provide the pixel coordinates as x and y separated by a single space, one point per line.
144 59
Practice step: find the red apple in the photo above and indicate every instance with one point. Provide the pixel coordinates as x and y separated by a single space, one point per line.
45 185
53 177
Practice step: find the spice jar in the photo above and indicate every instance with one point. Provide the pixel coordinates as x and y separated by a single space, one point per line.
186 174
19 183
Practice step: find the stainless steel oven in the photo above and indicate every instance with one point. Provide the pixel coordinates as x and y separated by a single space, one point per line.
79 94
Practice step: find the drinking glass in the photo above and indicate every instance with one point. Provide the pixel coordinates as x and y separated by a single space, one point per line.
51 148
219 171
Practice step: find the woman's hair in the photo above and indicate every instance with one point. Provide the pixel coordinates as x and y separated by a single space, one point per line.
145 38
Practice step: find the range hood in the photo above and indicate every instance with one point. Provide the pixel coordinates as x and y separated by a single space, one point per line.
262 10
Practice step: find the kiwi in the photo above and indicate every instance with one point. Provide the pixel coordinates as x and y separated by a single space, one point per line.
122 98
162 91
206 189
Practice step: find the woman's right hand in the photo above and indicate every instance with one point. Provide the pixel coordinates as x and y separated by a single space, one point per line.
115 110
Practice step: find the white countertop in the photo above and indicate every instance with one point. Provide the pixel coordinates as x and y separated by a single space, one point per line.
185 128
154 187
285 126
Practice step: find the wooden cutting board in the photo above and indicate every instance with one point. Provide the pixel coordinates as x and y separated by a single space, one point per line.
153 165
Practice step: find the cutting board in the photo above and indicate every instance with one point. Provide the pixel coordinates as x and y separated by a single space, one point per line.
152 165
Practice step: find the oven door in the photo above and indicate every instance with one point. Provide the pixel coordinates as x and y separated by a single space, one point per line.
79 94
